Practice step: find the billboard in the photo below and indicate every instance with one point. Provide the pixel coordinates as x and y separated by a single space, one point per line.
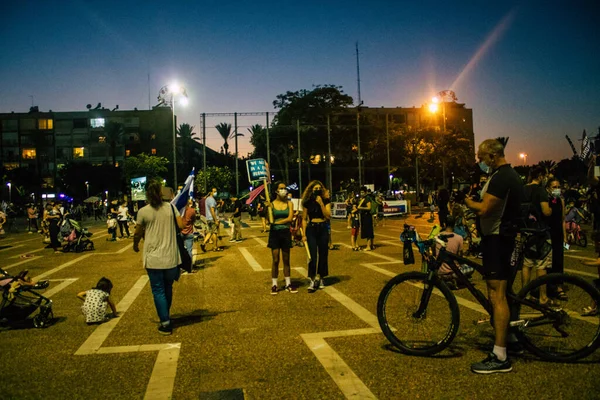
138 189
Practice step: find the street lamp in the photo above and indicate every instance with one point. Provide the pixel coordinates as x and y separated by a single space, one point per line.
87 186
524 157
9 192
441 97
168 94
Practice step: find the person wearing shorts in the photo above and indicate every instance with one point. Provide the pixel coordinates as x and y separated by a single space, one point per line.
280 236
355 226
213 222
498 212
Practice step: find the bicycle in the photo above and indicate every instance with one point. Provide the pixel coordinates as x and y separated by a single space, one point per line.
419 314
576 235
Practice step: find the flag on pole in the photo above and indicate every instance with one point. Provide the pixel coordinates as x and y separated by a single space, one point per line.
585 146
186 193
293 186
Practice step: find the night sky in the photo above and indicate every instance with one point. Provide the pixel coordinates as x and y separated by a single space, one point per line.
529 70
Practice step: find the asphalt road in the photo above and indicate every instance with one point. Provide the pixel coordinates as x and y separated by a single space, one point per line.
234 340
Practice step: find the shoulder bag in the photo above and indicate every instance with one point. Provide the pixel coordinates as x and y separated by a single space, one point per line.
186 260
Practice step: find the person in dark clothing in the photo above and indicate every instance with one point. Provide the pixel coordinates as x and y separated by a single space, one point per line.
54 219
557 234
366 218
498 212
237 220
315 214
443 198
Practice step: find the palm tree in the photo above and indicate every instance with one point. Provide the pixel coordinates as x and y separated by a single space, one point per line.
114 136
187 135
224 130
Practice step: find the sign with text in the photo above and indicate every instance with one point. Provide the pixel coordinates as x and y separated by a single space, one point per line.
257 170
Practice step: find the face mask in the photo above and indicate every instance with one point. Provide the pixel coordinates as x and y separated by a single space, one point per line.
318 192
556 192
282 192
484 167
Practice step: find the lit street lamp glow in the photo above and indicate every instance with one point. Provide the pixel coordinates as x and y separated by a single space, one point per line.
168 94
524 157
9 192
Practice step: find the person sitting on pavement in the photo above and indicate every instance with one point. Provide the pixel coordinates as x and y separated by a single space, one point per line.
454 245
95 301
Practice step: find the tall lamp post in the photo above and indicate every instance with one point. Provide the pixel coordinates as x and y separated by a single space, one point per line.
9 192
524 157
87 186
168 94
441 97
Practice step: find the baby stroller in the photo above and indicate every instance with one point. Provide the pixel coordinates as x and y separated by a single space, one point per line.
296 230
77 237
20 300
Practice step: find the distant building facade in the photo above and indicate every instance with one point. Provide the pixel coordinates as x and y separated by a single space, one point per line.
45 141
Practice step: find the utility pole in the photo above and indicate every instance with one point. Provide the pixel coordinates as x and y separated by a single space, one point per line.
268 145
329 176
204 152
360 102
237 175
299 159
387 135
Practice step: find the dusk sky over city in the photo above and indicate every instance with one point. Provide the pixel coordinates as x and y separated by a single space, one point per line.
529 70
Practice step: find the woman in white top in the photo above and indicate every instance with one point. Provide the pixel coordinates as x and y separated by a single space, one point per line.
155 224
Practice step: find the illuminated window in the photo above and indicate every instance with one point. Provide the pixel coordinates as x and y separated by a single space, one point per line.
102 139
78 152
97 122
45 124
153 152
127 153
28 154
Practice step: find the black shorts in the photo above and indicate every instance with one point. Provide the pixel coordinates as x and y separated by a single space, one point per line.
280 239
497 251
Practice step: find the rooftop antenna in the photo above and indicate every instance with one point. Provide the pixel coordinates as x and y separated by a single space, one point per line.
149 107
31 99
358 76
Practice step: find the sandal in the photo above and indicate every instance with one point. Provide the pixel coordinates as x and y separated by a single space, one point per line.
589 311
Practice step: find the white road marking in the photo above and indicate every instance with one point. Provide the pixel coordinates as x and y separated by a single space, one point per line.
11 248
29 252
574 271
581 257
348 382
372 253
251 260
21 262
162 380
259 240
62 266
59 287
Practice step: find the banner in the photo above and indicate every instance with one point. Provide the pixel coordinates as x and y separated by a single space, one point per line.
395 207
138 189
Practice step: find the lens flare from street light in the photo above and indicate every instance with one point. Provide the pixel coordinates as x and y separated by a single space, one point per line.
433 107
184 101
175 88
435 99
522 155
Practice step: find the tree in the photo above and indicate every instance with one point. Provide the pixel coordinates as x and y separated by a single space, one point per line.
224 130
221 178
145 165
114 136
188 136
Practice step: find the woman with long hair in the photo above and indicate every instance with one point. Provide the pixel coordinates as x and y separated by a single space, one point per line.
366 218
315 214
156 225
280 236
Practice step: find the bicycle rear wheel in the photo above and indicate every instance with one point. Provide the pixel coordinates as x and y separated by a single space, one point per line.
559 333
420 335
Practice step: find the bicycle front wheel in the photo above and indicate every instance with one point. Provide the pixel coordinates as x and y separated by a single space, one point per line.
405 326
560 332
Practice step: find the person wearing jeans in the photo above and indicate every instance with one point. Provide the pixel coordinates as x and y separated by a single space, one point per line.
188 218
155 224
315 215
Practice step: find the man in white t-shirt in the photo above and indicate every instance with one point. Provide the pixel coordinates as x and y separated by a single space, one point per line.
213 222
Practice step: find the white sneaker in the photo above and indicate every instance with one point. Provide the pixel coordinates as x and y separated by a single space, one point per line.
321 284
311 287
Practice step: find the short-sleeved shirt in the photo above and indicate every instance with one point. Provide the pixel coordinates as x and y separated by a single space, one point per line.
536 195
188 217
94 306
210 203
454 244
505 184
237 206
314 209
123 211
160 242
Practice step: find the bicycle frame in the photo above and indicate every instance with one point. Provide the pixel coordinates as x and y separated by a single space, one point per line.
453 260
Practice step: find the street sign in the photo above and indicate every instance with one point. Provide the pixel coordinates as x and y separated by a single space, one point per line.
257 170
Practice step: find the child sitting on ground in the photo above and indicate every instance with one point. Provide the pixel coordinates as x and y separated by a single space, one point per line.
95 301
112 224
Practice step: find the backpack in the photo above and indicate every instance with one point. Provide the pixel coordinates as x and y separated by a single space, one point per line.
537 245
